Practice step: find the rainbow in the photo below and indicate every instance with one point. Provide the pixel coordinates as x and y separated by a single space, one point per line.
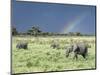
72 24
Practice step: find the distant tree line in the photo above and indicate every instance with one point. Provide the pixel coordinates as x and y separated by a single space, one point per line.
35 31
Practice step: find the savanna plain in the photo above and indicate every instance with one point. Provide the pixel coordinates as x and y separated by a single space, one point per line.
40 57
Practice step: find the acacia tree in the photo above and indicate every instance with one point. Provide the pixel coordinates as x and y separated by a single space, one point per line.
34 31
78 34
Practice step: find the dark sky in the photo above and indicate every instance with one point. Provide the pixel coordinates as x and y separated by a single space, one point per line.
60 18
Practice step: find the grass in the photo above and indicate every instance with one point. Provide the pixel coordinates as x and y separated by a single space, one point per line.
41 58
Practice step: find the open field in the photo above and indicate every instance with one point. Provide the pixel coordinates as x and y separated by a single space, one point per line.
40 57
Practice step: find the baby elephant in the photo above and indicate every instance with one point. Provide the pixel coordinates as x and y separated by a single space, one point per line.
22 45
78 49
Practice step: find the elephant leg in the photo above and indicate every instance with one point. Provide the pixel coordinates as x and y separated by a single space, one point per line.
84 56
75 56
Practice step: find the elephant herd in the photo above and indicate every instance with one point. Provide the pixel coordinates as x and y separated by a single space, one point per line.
77 48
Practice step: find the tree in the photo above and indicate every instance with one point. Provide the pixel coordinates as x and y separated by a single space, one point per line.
14 31
34 31
78 34
71 34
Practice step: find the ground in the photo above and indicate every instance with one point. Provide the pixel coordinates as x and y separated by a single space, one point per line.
40 57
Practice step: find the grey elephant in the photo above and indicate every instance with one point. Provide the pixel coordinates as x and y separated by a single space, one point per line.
22 45
55 46
77 49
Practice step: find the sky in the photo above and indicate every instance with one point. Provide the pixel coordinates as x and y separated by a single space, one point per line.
51 17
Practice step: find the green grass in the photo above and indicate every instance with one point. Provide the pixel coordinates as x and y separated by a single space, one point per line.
41 58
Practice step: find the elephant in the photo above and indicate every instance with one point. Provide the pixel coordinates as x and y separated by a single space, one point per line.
77 49
55 46
22 45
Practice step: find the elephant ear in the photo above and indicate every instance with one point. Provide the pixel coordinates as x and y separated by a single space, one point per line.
75 47
70 48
